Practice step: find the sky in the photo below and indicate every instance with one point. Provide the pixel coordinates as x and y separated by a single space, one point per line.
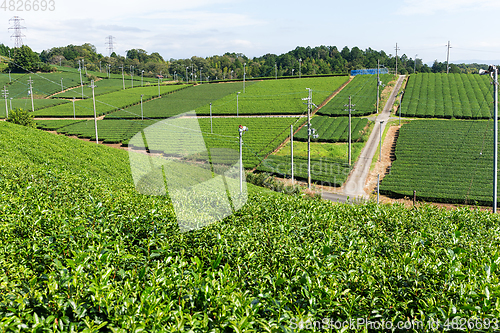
182 29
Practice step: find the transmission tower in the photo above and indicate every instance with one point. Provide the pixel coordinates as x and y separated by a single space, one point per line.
110 43
17 28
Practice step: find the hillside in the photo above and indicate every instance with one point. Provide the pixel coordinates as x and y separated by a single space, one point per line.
82 250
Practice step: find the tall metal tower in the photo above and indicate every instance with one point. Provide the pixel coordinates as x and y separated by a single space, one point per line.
110 43
17 30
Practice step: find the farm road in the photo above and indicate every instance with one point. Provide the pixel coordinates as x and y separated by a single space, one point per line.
355 184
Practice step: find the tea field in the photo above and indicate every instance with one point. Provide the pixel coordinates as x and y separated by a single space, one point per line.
106 103
448 96
444 161
83 251
334 129
269 97
363 92
182 101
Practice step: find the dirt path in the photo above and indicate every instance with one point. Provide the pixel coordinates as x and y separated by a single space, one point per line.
355 184
382 168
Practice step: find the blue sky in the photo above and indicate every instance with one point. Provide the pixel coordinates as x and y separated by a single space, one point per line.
181 29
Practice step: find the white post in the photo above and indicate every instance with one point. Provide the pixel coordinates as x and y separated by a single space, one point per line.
123 78
132 74
350 131
95 115
80 70
142 112
309 101
378 188
142 78
5 94
159 95
31 93
62 87
291 150
380 156
241 160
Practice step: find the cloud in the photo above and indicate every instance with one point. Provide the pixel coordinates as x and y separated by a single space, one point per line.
430 7
114 27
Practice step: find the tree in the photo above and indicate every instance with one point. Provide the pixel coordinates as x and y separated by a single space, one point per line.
24 60
21 117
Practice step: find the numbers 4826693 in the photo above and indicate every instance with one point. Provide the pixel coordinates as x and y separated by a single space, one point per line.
28 5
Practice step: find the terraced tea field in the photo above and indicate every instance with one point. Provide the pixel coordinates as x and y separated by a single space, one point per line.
182 101
334 129
444 161
448 96
275 97
106 103
363 92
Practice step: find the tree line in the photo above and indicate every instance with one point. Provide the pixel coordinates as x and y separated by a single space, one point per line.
320 60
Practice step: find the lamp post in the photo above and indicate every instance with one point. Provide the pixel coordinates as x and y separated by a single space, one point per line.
493 72
241 130
187 79
300 67
201 77
142 78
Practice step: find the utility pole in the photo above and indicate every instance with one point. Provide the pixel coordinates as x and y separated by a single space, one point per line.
310 131
80 70
5 94
30 81
95 115
397 49
123 77
448 58
350 131
415 64
378 82
493 71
